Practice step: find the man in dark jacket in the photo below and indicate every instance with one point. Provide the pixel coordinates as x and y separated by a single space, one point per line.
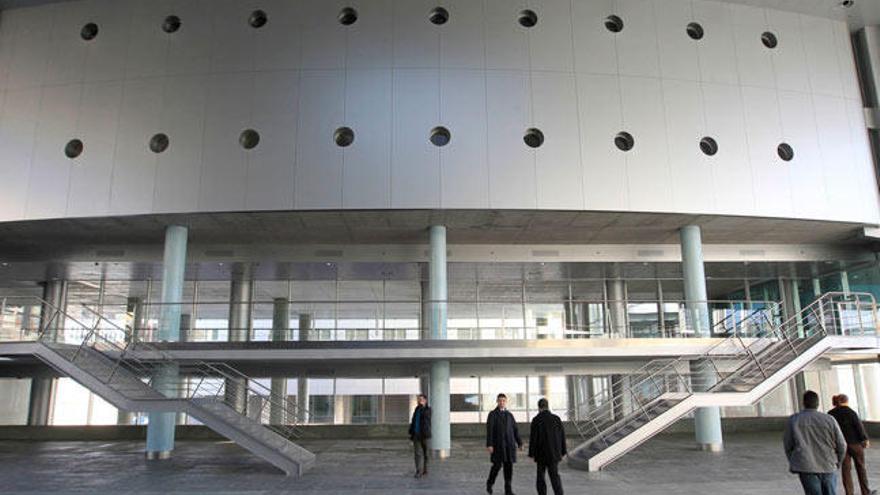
856 443
502 441
815 447
547 447
420 433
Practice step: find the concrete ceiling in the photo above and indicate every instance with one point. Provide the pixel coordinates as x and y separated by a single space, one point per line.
859 14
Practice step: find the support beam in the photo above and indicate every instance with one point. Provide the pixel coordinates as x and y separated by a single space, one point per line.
441 441
241 291
280 332
707 420
302 382
160 429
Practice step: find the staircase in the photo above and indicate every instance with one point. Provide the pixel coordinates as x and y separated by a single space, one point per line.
136 376
738 371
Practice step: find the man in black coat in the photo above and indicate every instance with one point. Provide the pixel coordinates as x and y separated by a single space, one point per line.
547 447
502 441
856 443
420 433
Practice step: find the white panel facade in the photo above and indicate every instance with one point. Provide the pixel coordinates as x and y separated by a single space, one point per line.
392 76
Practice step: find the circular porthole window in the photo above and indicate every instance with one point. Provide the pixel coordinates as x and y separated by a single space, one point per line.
438 16
785 152
73 148
159 143
708 146
769 40
347 16
258 19
533 137
171 24
695 31
624 141
249 139
440 136
614 23
89 31
343 137
528 18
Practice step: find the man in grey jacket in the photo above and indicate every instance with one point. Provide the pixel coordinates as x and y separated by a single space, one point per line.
815 447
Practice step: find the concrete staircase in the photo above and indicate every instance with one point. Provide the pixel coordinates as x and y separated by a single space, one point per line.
736 372
107 363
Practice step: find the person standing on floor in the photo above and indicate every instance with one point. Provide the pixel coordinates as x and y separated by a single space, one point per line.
502 442
815 447
420 433
547 447
856 443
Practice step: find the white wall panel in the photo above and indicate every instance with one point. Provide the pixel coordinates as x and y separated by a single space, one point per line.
558 160
98 121
717 49
191 47
318 178
731 166
278 44
809 197
464 162
637 43
227 114
868 204
67 50
770 173
323 38
507 45
178 169
366 175
691 171
789 59
415 162
648 178
461 38
837 154
846 61
21 110
31 52
134 168
595 49
416 40
550 41
821 52
234 39
147 45
605 168
106 58
270 165
49 178
512 173
753 59
368 41
677 51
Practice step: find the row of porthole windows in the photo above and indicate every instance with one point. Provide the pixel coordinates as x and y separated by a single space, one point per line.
438 16
439 136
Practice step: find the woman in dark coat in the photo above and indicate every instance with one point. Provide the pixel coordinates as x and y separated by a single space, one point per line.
502 442
420 433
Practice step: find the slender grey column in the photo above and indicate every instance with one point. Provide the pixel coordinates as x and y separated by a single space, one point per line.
135 307
239 328
280 332
616 290
160 429
186 331
441 440
52 324
302 382
707 420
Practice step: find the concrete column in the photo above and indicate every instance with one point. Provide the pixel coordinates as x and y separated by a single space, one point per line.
40 404
280 332
134 306
707 420
441 441
186 330
615 290
52 325
302 382
239 328
160 429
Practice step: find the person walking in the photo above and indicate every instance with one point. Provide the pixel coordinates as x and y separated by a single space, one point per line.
856 442
502 442
815 447
420 433
547 447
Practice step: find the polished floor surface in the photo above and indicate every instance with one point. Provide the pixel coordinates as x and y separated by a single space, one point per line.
751 463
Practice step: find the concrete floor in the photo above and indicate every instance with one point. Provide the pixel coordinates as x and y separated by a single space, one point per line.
751 463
